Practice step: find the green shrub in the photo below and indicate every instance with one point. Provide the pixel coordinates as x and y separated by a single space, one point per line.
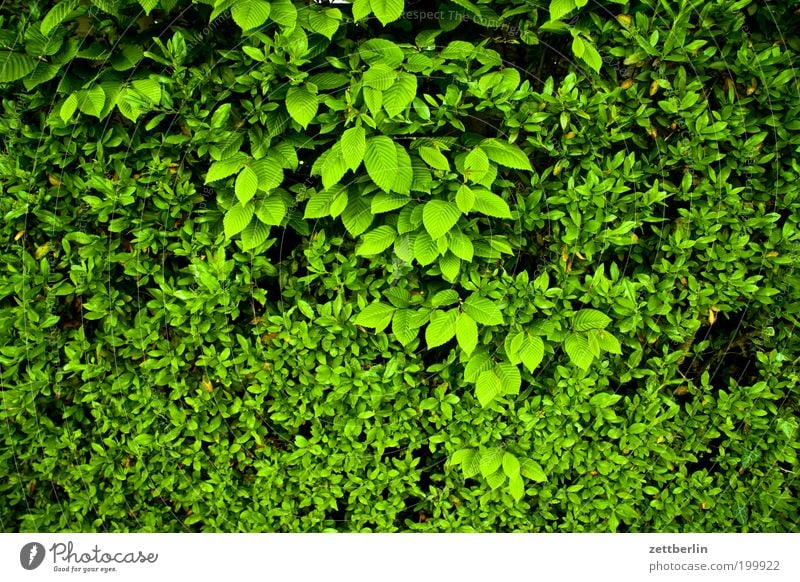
284 266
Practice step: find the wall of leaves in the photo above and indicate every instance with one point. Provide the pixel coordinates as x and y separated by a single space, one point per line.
387 266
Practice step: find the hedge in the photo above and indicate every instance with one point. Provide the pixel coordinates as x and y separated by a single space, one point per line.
433 266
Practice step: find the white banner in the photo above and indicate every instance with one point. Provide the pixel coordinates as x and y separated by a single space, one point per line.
381 557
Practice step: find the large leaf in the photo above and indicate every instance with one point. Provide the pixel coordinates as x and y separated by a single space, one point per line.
269 173
461 246
439 216
490 204
249 14
380 159
405 172
225 168
506 154
467 333
237 218
532 470
68 108
560 8
56 15
271 210
302 105
577 348
434 158
376 315
387 10
246 185
284 13
483 310
425 249
255 234
606 341
376 241
402 328
354 145
487 388
398 97
379 76
357 216
442 328
587 319
531 351
476 165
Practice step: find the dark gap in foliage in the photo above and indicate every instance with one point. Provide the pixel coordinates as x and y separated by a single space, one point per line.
707 460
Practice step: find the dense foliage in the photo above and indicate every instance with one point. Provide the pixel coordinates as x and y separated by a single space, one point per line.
465 266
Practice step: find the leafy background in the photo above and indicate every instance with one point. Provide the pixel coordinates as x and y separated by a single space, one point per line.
445 266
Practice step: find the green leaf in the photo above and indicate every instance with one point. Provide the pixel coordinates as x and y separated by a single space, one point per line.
402 328
434 158
511 465
302 105
577 46
284 13
376 241
587 319
148 5
237 218
379 76
483 310
361 9
254 235
56 15
356 217
604 399
271 210
577 348
506 154
354 145
531 352
465 199
225 168
487 388
560 8
325 22
606 341
246 185
439 217
405 173
467 333
380 159
377 315
387 10
383 202
333 166
491 204
471 465
398 97
68 108
444 298
339 203
479 362
250 14
496 479
510 379
269 173
533 470
450 266
442 328
91 101
425 249
591 57
516 487
149 89
476 165
461 246
491 460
